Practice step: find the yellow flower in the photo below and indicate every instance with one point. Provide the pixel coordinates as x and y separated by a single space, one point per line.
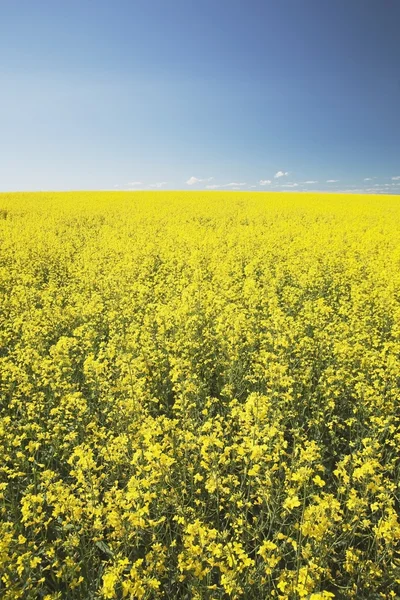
110 580
318 481
291 502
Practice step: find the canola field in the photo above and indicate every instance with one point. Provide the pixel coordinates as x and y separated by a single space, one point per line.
199 396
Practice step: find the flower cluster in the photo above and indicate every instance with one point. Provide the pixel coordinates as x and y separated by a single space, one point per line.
199 396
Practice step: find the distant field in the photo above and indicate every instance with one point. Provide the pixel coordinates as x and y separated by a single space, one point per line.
200 396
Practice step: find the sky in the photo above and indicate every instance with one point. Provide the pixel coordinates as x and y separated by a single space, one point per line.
200 94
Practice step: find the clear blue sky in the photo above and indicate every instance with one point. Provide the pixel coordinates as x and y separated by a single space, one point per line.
96 94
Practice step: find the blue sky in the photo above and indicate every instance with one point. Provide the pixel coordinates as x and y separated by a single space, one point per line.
129 94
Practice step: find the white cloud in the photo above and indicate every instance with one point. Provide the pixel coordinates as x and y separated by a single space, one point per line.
281 174
397 178
290 185
193 180
379 190
252 186
332 180
311 181
158 185
368 179
116 185
233 186
264 182
134 183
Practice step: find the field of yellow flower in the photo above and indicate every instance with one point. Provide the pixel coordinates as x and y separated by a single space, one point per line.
200 396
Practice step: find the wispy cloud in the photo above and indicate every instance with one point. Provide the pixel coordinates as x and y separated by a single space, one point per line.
281 174
135 183
352 191
397 178
367 178
158 185
252 186
377 190
290 185
264 182
233 185
117 185
332 180
194 180
311 181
